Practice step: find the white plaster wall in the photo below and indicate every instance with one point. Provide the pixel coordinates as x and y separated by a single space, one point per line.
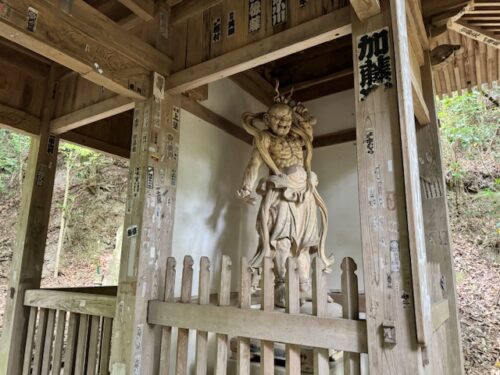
211 221
336 167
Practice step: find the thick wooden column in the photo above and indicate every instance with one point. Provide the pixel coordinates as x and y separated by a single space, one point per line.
445 351
390 308
147 237
29 249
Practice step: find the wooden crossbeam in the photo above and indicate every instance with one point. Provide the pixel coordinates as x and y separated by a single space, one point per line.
20 121
145 9
300 329
254 84
190 8
87 42
341 136
90 114
320 30
433 7
215 119
365 8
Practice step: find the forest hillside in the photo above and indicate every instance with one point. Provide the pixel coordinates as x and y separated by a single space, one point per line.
89 200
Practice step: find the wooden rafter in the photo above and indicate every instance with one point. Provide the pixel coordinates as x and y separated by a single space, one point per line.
256 85
143 8
320 30
341 136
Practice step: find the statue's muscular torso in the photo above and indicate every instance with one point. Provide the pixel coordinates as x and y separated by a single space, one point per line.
286 151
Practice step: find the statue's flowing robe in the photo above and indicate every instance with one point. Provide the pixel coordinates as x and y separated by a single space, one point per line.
288 210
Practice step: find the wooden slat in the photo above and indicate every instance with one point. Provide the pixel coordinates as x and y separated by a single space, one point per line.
83 303
107 324
98 111
30 341
71 338
365 8
245 296
181 362
320 308
320 30
292 307
49 336
203 299
41 331
82 344
59 342
267 304
350 310
221 339
93 345
166 334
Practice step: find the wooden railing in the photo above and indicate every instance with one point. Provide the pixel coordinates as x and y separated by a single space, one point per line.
68 331
290 327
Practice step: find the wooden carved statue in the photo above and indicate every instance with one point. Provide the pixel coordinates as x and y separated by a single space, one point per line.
288 221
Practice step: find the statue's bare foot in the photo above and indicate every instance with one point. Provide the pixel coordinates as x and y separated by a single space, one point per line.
280 295
305 292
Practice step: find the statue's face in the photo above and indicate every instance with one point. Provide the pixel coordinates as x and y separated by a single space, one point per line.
279 119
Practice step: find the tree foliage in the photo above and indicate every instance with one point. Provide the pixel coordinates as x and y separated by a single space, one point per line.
14 149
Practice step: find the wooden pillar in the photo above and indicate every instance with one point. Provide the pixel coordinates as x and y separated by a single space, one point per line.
446 348
147 237
390 307
29 248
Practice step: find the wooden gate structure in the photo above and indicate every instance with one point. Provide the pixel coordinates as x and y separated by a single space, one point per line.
113 75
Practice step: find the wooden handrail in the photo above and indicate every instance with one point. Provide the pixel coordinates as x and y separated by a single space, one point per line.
81 303
300 329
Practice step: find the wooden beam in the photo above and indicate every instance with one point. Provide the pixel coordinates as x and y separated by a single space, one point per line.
190 8
341 136
130 22
145 9
320 30
317 81
474 32
300 329
14 119
256 85
215 119
80 303
88 43
365 8
90 114
95 144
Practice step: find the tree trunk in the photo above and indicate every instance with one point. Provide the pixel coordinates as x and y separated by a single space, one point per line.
64 212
